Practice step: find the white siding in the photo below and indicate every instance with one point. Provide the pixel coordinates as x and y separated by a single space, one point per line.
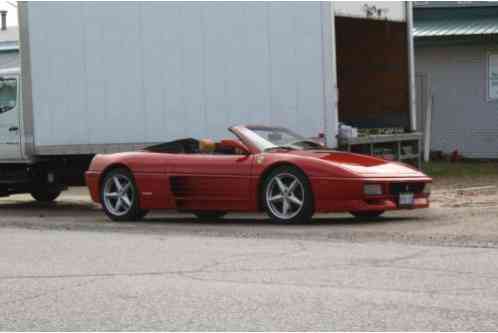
131 73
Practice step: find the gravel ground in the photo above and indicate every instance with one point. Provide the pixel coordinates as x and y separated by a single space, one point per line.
481 192
467 220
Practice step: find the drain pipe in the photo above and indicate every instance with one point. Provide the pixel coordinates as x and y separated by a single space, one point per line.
411 66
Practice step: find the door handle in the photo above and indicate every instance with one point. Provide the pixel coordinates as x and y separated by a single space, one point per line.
13 129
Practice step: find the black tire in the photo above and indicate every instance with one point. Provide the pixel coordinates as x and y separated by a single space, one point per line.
209 215
368 215
304 194
133 212
45 194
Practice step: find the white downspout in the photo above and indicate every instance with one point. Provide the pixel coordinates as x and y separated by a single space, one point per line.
411 66
330 91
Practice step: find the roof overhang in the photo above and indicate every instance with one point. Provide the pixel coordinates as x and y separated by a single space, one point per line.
455 23
9 46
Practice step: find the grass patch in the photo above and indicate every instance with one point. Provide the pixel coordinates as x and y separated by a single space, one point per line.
466 169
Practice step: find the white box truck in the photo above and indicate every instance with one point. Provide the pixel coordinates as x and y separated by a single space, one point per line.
114 76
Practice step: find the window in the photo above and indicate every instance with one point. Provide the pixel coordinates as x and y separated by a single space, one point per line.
8 94
493 76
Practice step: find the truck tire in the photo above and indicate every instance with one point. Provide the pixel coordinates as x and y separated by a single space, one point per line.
45 194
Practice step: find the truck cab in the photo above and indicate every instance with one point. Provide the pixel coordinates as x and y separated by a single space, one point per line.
10 116
18 172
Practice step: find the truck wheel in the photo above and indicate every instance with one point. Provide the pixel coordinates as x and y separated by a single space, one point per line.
119 196
368 214
45 194
287 196
209 215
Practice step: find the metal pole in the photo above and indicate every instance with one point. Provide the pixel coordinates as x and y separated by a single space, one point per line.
330 94
428 125
335 102
411 66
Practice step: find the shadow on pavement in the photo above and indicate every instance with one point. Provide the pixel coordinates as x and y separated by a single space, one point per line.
262 221
86 209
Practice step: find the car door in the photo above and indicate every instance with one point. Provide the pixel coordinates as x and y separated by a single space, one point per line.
211 181
10 138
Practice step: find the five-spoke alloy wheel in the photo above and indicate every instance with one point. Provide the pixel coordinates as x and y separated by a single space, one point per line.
287 196
119 196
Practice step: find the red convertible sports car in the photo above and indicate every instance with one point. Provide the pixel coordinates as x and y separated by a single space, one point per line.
267 169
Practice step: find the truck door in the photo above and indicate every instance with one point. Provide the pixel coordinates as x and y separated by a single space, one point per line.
10 134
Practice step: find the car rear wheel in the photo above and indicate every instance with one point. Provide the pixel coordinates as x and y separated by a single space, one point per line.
119 196
367 214
287 196
209 215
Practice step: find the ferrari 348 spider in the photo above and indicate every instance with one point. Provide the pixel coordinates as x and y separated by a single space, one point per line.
264 168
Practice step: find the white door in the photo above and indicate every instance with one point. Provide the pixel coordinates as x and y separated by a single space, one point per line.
10 133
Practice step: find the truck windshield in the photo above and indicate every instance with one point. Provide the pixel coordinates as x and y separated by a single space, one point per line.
8 94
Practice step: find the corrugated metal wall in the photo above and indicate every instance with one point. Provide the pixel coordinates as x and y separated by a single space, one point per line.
9 60
129 72
462 118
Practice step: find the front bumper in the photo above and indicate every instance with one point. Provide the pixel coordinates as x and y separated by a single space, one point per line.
335 195
387 203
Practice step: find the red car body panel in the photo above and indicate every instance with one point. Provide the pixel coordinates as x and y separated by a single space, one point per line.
189 182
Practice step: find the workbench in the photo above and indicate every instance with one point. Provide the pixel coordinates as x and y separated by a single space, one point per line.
405 147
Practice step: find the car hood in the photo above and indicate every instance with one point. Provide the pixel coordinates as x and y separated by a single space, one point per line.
363 165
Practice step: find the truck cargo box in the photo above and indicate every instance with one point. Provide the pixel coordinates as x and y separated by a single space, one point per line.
113 76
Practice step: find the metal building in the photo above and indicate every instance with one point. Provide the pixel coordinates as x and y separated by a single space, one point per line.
456 60
9 38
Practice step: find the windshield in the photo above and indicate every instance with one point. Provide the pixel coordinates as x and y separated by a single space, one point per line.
8 94
266 138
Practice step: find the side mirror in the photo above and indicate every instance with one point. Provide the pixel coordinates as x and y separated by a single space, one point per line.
236 145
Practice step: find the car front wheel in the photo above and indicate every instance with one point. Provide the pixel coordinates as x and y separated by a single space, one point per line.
119 196
287 196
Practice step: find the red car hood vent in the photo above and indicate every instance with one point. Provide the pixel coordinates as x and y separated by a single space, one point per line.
364 165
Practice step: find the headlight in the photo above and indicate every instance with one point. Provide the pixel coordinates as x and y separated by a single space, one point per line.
427 188
372 189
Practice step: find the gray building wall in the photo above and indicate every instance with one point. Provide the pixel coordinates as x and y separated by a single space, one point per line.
462 117
9 59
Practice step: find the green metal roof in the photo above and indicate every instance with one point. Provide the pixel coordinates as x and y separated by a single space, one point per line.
455 22
456 27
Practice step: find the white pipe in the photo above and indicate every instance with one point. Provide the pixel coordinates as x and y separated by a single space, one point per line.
428 122
411 66
330 93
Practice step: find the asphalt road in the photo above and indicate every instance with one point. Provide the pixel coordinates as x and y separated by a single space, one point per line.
64 267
